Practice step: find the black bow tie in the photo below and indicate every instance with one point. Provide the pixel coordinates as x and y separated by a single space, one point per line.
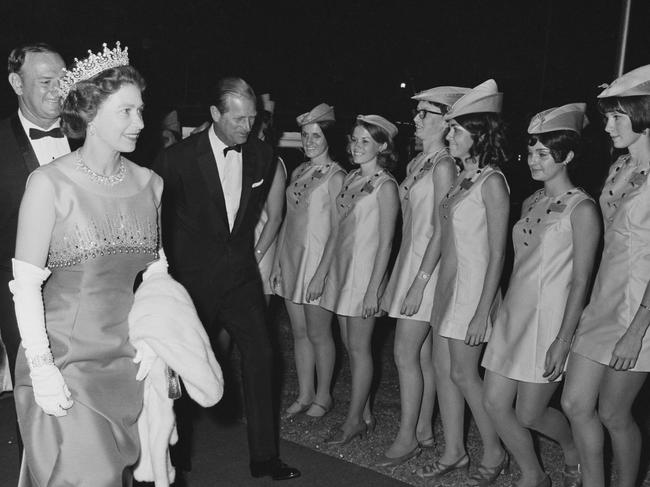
36 134
236 148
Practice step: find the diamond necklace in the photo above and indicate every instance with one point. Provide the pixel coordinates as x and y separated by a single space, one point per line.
111 180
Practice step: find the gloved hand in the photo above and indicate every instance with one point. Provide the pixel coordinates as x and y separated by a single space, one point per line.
50 391
145 356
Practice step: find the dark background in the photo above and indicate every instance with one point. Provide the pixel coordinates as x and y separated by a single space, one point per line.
352 54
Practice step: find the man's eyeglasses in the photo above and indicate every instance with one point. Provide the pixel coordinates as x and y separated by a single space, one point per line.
423 113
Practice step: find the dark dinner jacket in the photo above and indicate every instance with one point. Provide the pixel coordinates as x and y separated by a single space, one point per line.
204 255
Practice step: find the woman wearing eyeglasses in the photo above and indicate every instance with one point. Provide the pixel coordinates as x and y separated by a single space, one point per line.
474 224
409 294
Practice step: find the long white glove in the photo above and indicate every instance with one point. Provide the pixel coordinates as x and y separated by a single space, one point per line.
144 354
50 390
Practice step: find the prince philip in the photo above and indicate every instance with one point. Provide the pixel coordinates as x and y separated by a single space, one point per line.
215 182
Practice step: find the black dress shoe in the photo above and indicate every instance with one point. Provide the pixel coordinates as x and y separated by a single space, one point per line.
276 469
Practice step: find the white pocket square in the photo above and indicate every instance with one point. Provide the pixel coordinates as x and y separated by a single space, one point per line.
258 183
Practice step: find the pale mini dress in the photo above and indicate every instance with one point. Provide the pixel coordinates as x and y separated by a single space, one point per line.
624 267
357 243
417 200
305 229
99 245
266 264
464 256
531 314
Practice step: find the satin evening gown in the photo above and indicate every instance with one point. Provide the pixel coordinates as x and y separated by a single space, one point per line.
99 244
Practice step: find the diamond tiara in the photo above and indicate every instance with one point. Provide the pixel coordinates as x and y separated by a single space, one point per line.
92 65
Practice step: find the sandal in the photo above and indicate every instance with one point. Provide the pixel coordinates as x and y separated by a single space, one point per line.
428 443
297 408
437 469
324 410
485 476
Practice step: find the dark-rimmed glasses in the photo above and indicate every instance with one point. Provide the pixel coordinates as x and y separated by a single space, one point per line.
422 113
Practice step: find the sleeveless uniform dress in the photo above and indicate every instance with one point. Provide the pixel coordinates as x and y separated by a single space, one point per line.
624 267
306 228
356 245
464 256
417 198
266 264
533 308
99 244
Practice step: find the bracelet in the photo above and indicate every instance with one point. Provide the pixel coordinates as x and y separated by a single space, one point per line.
40 360
423 275
562 339
647 308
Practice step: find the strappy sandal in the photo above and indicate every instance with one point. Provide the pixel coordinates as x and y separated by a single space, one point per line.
427 443
321 407
486 476
437 469
299 408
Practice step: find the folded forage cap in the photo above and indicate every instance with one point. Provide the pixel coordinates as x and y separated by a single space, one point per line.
444 95
483 98
634 83
567 117
381 122
320 113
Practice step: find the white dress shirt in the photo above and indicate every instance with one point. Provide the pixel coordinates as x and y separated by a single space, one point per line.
230 175
47 148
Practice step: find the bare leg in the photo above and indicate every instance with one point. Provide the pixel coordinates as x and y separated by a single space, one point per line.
358 340
617 393
450 400
579 401
533 412
303 354
410 336
499 395
319 332
424 427
464 373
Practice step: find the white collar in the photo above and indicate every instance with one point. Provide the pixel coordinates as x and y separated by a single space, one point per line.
29 125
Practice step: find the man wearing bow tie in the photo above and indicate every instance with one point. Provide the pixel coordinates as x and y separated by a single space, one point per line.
215 184
28 139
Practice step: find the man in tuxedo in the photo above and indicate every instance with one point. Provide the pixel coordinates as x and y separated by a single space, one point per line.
29 138
215 183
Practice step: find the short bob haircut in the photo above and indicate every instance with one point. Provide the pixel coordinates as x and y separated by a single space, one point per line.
488 134
334 137
81 105
386 159
635 107
559 143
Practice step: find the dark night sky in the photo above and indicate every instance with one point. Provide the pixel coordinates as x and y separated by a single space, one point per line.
352 54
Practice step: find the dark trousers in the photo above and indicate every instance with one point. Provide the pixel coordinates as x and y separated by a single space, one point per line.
8 326
242 312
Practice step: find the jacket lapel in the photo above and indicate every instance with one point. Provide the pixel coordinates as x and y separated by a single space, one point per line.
208 167
247 180
29 156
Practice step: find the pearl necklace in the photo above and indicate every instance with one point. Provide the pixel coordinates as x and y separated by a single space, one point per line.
111 180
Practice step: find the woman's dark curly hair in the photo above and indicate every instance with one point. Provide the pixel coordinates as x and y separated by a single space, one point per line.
386 159
635 107
81 105
488 134
559 143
